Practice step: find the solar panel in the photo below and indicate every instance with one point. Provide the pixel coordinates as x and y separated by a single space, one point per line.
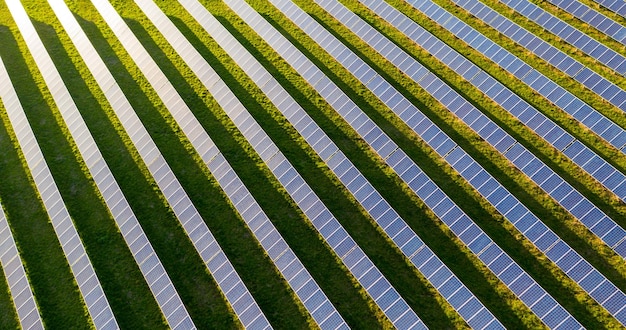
13 268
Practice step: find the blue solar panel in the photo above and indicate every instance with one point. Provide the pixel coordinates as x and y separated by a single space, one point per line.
459 298
470 308
452 215
524 285
479 243
615 303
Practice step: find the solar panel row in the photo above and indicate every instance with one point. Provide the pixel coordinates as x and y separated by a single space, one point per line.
301 282
281 254
442 206
558 59
88 283
579 206
14 271
589 161
406 240
504 202
15 274
593 18
618 7
207 247
371 279
573 36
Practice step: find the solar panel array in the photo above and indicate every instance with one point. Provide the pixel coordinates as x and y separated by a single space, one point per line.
467 231
503 201
377 286
396 228
566 101
442 206
284 258
573 36
593 18
151 267
158 281
592 217
557 58
84 273
408 176
605 173
207 247
373 285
